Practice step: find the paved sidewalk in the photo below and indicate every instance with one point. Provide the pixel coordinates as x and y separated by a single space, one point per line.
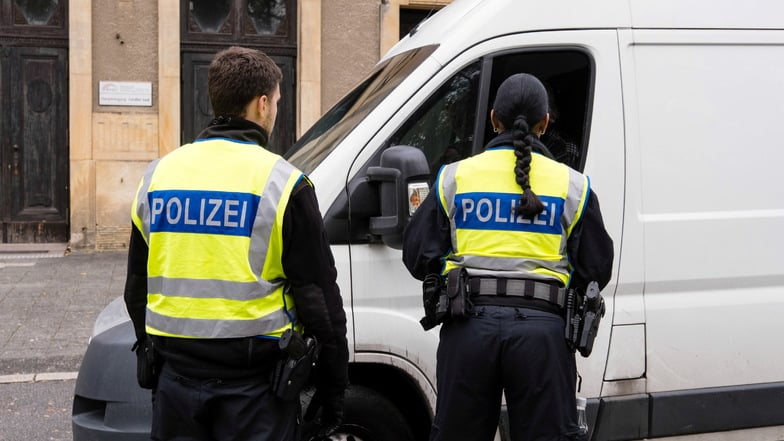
48 304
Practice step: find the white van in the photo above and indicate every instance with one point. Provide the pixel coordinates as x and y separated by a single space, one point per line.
671 107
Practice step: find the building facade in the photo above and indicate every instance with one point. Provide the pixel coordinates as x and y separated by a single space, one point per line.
92 91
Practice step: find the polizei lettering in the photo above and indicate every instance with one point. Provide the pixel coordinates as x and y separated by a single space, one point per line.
498 211
207 212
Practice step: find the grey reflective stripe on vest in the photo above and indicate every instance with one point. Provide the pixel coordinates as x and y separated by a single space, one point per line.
577 183
265 216
449 188
210 288
512 267
218 328
142 207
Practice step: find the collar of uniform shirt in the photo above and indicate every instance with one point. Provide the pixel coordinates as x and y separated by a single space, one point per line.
505 139
235 127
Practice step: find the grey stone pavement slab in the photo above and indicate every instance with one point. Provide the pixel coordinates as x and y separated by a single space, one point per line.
48 304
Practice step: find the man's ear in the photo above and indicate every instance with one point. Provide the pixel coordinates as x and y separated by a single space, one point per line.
255 108
263 104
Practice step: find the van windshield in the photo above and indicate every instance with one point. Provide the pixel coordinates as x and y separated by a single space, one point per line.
321 139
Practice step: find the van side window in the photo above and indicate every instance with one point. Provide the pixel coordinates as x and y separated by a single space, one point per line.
567 74
444 126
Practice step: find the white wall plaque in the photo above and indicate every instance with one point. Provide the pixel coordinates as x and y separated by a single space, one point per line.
124 93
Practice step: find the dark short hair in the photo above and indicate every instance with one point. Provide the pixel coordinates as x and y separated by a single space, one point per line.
237 75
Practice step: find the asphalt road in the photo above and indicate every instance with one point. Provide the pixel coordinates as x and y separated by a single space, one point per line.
36 411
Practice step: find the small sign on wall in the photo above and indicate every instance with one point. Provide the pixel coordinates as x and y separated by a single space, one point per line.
124 93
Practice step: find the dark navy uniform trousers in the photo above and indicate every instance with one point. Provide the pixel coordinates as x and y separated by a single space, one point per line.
520 352
221 410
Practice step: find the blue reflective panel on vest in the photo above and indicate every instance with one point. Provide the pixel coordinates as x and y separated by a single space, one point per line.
205 212
497 211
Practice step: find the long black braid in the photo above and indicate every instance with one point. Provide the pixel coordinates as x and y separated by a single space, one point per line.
530 205
521 100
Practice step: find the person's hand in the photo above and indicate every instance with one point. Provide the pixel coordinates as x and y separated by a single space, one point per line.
331 406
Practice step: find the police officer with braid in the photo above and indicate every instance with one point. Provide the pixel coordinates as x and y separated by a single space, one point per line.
523 227
227 252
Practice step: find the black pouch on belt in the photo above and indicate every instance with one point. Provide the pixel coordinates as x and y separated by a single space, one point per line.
457 291
148 363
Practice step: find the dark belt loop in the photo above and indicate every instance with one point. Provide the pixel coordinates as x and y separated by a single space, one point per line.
554 294
528 289
474 284
500 286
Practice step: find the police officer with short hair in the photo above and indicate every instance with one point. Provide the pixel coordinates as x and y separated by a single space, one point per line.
523 227
227 252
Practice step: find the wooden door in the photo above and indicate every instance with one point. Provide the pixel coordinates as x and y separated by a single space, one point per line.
34 122
209 26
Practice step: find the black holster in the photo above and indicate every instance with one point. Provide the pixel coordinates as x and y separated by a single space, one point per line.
148 363
434 300
445 301
584 313
291 374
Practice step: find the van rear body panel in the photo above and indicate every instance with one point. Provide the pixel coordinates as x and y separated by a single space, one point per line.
706 123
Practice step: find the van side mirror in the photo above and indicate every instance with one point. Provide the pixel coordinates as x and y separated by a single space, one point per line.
401 168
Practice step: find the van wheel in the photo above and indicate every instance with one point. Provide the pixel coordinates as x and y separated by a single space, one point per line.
368 416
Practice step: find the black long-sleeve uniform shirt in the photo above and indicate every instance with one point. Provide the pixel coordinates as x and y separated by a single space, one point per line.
307 262
427 239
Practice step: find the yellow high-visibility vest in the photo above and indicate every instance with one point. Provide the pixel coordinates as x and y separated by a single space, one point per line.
480 195
211 213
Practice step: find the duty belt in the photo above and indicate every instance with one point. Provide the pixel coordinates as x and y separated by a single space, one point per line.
491 286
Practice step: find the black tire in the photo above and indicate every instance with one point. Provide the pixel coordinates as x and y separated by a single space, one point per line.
369 416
